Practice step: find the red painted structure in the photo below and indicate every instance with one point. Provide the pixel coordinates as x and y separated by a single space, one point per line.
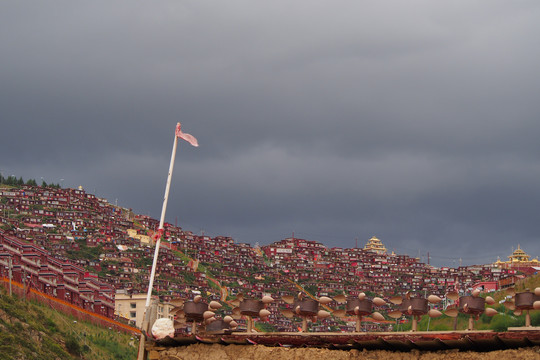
38 270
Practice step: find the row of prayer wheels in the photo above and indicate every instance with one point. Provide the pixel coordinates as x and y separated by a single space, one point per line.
312 308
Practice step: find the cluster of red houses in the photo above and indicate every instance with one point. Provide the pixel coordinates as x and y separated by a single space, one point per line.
360 269
36 268
41 228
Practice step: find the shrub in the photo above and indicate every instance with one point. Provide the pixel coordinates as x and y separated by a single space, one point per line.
503 322
73 346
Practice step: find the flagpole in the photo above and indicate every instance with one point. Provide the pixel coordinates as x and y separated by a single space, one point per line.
141 355
161 222
193 141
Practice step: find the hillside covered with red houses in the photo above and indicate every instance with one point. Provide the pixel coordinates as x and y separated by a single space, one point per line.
75 246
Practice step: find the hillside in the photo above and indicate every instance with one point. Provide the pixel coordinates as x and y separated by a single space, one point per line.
111 248
29 330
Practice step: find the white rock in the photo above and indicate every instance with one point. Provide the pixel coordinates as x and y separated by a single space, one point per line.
162 328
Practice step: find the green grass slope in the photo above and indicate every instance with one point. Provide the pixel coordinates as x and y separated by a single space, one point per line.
29 330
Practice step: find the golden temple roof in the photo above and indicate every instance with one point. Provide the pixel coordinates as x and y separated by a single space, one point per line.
518 258
375 245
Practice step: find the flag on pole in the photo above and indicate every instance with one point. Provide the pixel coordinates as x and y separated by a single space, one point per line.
188 137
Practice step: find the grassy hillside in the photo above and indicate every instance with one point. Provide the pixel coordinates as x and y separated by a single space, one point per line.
29 330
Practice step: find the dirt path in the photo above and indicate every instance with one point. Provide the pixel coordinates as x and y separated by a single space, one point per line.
259 352
224 292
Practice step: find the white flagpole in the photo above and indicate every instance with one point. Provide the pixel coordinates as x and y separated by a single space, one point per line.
161 222
189 138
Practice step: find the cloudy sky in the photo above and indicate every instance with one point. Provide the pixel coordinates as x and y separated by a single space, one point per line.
416 122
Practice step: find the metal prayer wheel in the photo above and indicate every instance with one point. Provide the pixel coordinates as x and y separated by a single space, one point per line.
525 300
251 307
418 306
475 305
194 311
358 307
308 307
365 306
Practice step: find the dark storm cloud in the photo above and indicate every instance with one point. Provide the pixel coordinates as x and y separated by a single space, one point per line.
413 122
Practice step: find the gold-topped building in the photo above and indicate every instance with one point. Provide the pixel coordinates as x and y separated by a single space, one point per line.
375 245
519 258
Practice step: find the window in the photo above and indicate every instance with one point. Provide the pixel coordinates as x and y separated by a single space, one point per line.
133 305
132 314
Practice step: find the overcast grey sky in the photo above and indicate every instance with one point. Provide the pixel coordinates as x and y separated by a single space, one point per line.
414 121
